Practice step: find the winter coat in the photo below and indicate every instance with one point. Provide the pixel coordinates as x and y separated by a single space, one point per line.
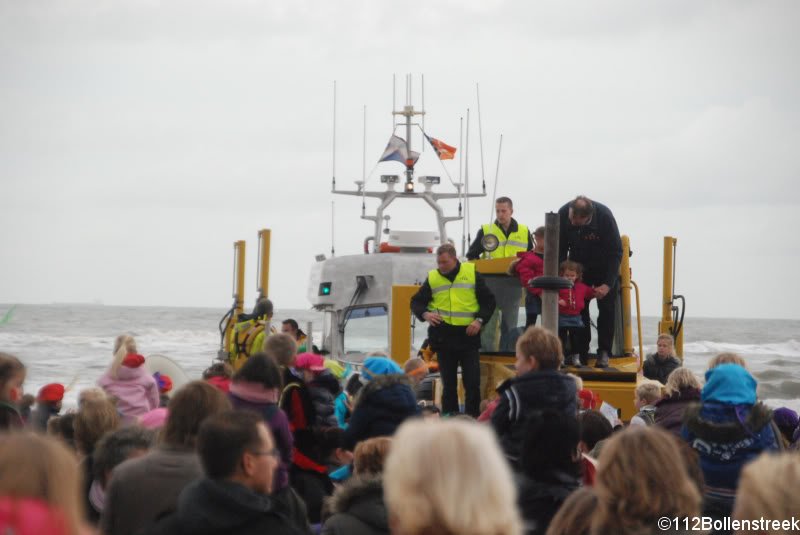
324 389
727 437
574 298
379 408
530 266
596 245
670 409
658 370
520 396
145 489
539 501
210 507
10 417
135 390
278 424
358 508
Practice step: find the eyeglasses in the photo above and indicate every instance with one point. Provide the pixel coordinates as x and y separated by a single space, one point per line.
274 452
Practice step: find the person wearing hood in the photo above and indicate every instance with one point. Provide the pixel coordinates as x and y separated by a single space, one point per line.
239 458
48 405
357 507
323 387
383 403
728 428
128 381
538 386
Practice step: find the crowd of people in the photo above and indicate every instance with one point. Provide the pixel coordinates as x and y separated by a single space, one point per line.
281 440
288 444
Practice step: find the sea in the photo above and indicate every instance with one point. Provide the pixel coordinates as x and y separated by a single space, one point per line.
72 343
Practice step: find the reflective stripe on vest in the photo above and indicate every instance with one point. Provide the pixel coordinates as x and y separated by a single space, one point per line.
455 302
516 242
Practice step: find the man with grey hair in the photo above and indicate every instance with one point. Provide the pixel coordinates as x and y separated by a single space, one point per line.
455 302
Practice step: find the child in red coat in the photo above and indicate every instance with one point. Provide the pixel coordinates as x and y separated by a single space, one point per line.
571 302
528 266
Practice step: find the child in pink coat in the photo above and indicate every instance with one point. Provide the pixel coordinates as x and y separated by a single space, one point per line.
129 382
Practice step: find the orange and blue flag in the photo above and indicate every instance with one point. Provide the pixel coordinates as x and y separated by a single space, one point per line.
443 150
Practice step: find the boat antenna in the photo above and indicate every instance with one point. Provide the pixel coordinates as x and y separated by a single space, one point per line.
364 166
333 206
333 170
480 135
496 177
422 141
394 101
466 179
461 183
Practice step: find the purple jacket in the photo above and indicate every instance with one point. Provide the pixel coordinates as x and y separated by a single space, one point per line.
135 390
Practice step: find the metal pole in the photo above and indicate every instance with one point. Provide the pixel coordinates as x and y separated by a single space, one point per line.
550 297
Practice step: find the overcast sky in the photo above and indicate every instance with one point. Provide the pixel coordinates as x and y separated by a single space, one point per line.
140 139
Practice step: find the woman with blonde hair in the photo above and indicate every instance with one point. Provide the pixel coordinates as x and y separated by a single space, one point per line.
768 489
39 486
682 388
642 477
460 484
128 381
660 364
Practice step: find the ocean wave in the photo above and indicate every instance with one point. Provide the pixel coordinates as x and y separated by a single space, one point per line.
789 348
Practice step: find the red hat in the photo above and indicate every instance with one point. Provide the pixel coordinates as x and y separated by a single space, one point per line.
589 400
133 360
310 361
164 382
51 392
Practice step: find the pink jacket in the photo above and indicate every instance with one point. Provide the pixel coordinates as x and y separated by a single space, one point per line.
136 390
529 267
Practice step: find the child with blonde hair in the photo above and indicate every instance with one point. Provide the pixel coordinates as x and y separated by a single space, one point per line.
646 397
128 381
660 364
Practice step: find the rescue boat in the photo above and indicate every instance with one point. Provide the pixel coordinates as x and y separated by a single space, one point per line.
365 298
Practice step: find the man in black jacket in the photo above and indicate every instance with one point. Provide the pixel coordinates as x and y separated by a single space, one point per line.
589 235
456 305
239 458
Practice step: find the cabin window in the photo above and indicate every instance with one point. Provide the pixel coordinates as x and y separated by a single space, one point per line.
366 329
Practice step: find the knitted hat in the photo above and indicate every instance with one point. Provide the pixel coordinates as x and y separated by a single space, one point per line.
374 366
164 382
729 383
786 420
133 360
310 361
51 392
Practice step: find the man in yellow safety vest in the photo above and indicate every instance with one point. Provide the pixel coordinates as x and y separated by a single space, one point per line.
455 302
511 238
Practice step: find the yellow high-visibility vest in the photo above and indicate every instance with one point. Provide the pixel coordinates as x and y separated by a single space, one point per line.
456 302
515 243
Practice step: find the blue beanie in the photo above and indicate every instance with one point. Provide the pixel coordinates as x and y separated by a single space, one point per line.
729 383
374 366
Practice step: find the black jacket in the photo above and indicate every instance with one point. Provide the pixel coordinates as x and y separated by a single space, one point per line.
596 245
324 389
453 335
521 396
539 501
379 408
659 370
208 507
476 248
358 508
